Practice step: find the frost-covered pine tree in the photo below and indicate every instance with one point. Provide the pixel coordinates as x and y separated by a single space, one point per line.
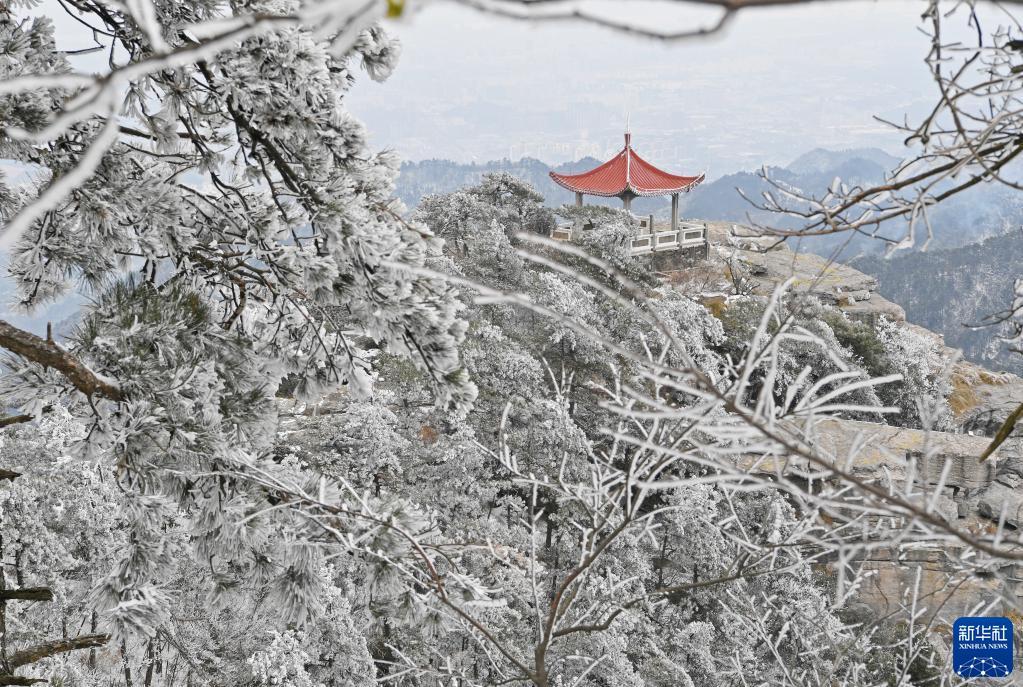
219 204
568 535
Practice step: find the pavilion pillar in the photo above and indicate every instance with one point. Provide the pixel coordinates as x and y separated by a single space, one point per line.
578 200
674 212
627 202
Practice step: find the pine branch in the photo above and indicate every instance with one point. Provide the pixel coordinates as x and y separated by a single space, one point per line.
18 419
15 419
27 594
19 680
48 354
57 646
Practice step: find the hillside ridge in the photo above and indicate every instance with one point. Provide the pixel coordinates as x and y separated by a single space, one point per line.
971 495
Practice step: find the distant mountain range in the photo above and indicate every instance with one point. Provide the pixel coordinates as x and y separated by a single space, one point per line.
946 290
986 210
811 172
983 211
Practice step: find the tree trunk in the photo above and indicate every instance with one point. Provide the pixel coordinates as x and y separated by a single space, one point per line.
92 651
150 661
124 664
3 611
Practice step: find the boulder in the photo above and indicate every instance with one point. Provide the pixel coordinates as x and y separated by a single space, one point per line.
999 498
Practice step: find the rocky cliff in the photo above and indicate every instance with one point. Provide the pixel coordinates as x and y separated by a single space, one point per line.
973 495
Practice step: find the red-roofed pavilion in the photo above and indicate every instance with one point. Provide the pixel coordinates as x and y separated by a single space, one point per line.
626 176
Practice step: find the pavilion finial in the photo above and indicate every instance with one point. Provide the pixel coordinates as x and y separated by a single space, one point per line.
628 130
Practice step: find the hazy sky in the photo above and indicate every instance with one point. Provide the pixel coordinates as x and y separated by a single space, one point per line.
774 84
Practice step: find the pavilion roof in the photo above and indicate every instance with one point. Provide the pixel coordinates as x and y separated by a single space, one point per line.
627 171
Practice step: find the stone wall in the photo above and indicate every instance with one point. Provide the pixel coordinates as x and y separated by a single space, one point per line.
972 498
673 260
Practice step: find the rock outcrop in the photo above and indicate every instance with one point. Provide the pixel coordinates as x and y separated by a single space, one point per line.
975 496
767 263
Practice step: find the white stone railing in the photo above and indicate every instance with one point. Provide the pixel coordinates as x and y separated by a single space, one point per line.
645 223
687 234
646 241
562 233
692 233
